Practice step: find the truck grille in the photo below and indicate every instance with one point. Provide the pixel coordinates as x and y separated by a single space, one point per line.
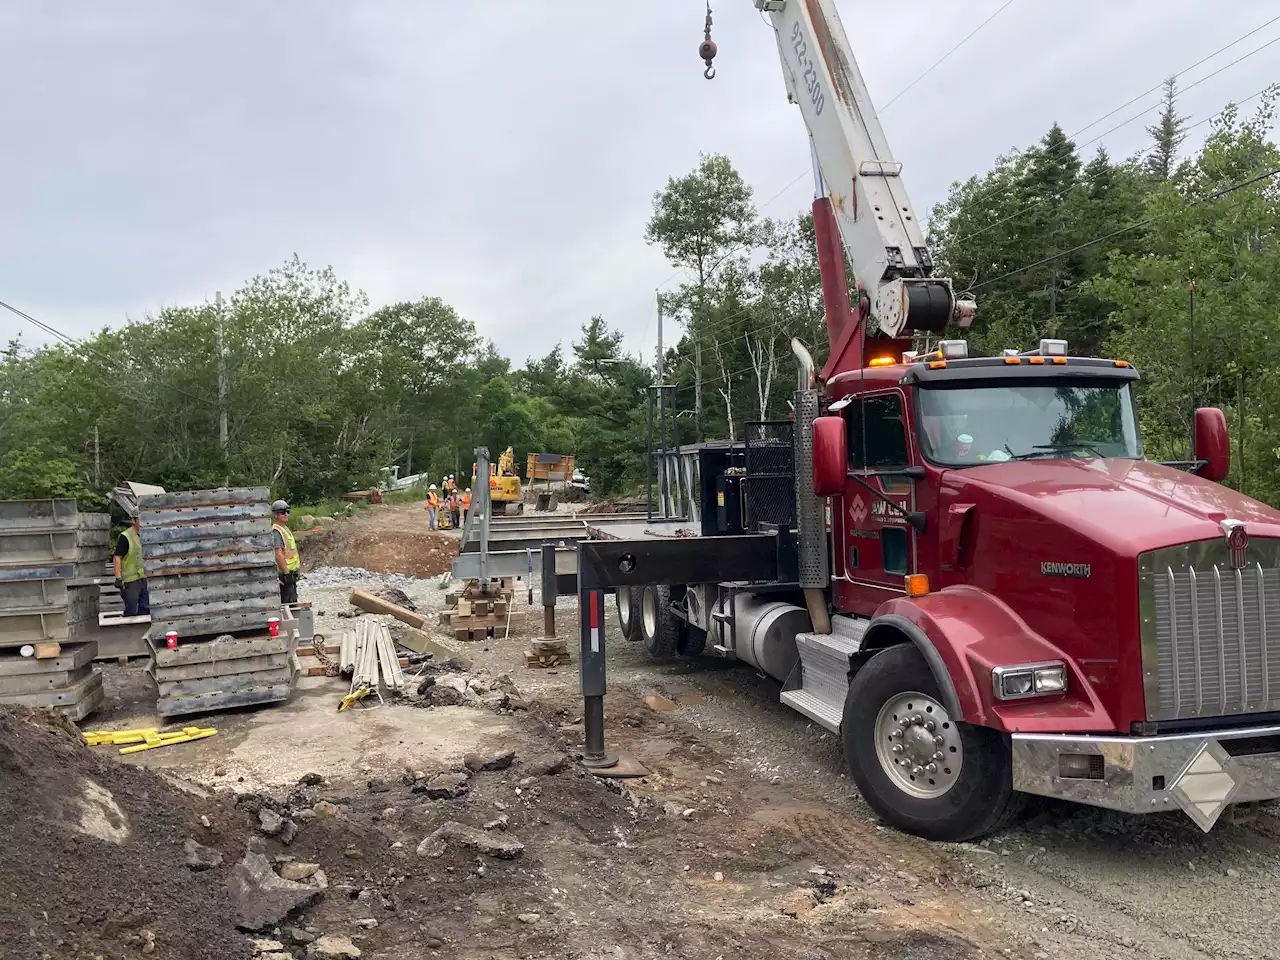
1210 632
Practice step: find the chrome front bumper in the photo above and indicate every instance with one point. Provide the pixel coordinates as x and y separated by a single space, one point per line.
1201 774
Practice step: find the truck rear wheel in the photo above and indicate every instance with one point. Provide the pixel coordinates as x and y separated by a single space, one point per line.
660 629
628 600
917 767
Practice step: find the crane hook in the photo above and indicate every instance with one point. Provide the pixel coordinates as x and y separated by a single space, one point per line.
707 48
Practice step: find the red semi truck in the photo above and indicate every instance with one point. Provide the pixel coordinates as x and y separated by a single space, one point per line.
981 585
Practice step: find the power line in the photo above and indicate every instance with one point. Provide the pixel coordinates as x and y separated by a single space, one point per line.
71 341
1243 36
724 321
1081 183
939 61
1126 229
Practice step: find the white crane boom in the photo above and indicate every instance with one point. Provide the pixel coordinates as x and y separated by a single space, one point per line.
877 224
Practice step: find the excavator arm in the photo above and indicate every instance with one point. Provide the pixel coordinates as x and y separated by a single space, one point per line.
861 181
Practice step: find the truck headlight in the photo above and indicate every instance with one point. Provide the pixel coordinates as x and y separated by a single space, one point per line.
1029 680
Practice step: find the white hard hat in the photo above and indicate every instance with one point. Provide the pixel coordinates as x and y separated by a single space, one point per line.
432 487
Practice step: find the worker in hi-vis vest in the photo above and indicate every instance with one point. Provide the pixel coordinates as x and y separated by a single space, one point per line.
131 575
433 504
287 562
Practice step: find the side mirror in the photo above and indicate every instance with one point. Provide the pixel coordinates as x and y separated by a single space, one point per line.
1212 444
830 456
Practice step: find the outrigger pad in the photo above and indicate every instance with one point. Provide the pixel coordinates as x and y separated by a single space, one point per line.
626 767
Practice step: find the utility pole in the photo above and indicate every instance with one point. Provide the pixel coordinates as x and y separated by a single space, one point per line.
697 385
97 460
222 377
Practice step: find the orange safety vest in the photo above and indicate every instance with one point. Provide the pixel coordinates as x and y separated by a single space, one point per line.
432 499
466 501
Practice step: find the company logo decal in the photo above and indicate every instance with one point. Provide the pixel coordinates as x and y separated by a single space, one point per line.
857 509
1237 541
1054 568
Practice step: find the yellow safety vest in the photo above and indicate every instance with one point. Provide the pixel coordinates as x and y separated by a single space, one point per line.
131 568
291 561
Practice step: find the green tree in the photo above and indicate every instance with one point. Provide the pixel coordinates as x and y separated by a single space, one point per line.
1167 134
701 221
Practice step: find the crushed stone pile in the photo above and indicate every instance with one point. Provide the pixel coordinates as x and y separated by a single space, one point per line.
94 854
322 577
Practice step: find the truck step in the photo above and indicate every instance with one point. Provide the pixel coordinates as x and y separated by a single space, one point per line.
820 711
824 672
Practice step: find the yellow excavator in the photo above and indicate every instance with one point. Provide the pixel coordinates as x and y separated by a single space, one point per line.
504 485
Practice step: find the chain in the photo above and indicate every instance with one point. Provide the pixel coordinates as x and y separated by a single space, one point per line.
707 49
330 668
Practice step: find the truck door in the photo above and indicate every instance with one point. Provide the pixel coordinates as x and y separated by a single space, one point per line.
877 545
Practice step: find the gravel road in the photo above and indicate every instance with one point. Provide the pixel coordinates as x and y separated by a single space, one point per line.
1066 881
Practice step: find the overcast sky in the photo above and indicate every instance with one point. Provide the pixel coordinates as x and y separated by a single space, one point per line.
501 155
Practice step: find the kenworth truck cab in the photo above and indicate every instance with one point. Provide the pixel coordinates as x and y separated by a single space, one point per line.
1011 599
977 581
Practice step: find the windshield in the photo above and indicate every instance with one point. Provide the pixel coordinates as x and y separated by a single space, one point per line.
961 426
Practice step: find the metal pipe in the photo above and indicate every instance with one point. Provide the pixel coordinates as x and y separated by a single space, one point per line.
648 462
804 363
815 600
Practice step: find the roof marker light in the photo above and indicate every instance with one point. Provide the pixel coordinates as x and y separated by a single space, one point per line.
882 361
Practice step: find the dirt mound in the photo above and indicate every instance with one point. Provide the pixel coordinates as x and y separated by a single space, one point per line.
91 853
411 553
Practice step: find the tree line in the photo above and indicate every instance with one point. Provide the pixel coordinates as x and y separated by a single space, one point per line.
1165 260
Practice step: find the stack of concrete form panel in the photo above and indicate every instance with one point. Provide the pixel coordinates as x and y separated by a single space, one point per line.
211 576
46 548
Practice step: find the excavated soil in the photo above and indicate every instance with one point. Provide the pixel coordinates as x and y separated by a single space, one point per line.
91 854
385 539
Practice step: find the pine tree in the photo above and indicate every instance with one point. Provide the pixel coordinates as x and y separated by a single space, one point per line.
1168 134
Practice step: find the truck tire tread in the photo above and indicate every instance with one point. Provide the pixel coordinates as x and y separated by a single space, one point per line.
982 801
666 638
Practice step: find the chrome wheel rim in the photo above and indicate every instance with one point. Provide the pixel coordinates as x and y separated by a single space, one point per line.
624 607
918 745
649 612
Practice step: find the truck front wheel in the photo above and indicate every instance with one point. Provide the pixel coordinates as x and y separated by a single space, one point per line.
918 767
660 628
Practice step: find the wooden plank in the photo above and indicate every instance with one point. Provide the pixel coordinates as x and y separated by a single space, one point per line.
226 683
419 642
73 656
42 682
367 601
49 650
220 668
211 651
203 703
59 696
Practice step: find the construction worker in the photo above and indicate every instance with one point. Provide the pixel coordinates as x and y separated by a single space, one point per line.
466 501
454 502
287 560
433 503
452 485
131 575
